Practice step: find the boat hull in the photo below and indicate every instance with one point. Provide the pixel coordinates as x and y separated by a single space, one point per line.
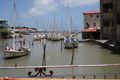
37 39
70 45
15 53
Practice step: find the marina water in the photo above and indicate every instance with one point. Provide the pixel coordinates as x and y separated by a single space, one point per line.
86 54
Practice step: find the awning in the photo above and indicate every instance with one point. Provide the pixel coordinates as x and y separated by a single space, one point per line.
92 29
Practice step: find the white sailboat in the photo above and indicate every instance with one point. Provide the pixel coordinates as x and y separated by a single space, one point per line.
70 41
37 36
54 35
13 52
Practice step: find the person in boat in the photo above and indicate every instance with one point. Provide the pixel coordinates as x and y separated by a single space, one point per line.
72 39
24 41
67 39
19 49
7 48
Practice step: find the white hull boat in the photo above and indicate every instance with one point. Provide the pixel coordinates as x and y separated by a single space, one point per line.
70 43
13 53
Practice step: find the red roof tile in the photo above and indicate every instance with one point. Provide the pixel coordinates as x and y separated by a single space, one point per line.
92 29
92 12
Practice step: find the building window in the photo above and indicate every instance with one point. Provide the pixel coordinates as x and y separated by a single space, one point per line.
1 22
91 15
87 25
97 16
118 18
106 23
94 24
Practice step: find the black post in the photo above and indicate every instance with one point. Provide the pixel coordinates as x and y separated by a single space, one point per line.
72 54
41 71
72 60
61 45
44 55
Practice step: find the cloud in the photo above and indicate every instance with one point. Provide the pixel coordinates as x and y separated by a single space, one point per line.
78 3
43 7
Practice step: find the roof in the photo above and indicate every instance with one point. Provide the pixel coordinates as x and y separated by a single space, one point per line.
91 29
3 20
92 12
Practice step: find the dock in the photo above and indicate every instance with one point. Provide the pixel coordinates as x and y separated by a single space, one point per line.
84 40
109 45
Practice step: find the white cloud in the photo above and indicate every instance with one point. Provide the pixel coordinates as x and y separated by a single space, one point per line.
42 7
77 3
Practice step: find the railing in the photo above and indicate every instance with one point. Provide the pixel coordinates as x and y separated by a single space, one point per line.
101 71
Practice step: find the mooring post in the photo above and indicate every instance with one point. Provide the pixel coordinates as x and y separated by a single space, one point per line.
72 54
44 44
61 45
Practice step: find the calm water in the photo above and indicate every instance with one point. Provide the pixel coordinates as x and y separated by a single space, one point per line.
86 53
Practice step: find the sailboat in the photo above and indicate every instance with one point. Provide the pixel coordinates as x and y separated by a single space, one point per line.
54 34
70 41
37 36
13 52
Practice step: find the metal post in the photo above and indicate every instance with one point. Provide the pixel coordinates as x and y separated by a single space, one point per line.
115 76
104 76
42 71
101 21
115 21
44 53
72 54
94 77
83 76
61 45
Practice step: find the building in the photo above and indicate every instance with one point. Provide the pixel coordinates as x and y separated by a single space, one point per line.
3 24
3 29
91 25
110 21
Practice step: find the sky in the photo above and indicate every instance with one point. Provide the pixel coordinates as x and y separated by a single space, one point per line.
42 14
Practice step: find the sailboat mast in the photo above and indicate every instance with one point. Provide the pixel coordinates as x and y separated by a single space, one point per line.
54 24
71 24
69 19
61 25
14 23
